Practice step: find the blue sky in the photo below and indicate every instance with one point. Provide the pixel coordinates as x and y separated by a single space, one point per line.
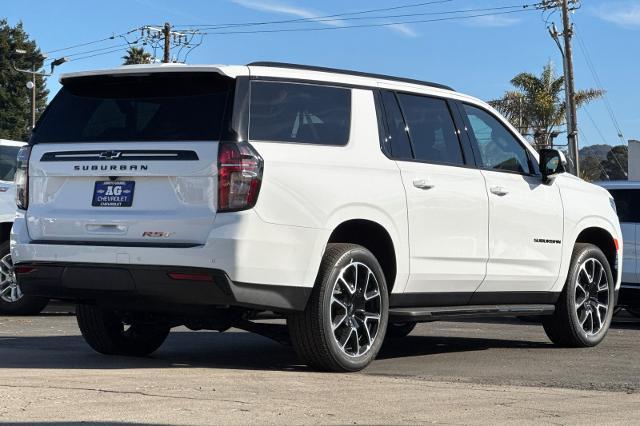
477 56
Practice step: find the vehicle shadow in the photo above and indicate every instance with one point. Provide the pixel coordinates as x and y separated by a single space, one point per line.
229 350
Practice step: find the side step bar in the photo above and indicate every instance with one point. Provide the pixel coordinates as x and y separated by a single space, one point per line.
445 312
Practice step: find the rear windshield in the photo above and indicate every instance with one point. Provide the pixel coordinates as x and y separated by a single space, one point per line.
152 107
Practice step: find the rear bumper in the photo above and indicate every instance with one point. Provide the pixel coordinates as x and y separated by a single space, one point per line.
150 288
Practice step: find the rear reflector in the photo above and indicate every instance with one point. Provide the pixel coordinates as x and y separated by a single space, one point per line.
24 269
617 244
190 277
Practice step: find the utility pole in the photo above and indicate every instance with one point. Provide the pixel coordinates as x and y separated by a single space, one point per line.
166 31
572 122
33 96
567 7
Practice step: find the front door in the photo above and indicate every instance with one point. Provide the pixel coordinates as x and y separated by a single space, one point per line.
525 214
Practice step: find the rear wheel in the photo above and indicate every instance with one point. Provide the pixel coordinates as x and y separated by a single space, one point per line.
12 300
398 330
110 334
344 323
585 308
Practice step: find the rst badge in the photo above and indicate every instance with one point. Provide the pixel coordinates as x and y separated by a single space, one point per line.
113 193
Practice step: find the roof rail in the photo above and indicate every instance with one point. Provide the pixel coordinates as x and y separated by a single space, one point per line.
347 72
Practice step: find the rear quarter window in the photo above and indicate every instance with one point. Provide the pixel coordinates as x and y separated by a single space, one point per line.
299 113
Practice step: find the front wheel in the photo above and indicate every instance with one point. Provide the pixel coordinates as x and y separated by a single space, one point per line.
344 323
110 334
12 300
585 307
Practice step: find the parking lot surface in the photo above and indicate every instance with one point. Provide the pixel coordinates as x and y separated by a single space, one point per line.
446 372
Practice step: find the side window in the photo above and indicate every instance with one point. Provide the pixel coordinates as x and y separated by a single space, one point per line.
499 149
397 139
431 129
627 204
302 113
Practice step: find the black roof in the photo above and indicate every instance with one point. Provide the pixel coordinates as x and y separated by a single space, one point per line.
348 72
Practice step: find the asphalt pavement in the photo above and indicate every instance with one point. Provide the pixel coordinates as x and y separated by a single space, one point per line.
490 371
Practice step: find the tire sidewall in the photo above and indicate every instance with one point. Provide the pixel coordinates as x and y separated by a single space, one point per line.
347 362
587 253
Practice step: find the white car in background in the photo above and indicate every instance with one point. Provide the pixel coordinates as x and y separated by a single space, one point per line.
12 301
627 197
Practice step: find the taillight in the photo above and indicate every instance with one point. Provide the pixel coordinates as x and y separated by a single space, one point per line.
239 176
21 178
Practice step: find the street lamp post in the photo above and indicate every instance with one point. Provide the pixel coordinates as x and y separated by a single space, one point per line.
32 84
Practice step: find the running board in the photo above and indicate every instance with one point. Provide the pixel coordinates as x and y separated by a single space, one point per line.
445 312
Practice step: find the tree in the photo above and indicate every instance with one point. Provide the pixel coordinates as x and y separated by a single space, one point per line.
137 55
15 97
616 165
535 106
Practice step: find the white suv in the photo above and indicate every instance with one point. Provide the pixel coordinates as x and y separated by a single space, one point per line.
12 300
627 197
352 204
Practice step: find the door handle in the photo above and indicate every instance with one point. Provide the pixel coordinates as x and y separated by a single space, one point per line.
499 191
422 184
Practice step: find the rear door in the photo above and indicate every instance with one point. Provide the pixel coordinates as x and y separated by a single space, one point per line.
129 159
628 208
446 200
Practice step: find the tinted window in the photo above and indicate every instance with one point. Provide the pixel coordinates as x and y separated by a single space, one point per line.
155 107
302 113
431 129
627 204
397 138
499 149
8 156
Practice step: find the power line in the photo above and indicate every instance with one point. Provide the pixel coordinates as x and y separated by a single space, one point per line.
598 82
613 154
386 24
358 18
75 46
335 15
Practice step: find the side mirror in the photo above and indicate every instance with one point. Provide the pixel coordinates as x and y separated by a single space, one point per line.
552 162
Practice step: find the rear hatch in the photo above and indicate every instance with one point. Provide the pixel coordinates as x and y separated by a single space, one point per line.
129 159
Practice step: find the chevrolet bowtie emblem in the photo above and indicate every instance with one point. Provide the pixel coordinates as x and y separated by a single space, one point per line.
110 155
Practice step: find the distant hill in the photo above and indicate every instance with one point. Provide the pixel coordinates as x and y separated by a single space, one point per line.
596 151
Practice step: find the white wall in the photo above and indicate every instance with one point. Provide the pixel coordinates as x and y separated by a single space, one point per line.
634 160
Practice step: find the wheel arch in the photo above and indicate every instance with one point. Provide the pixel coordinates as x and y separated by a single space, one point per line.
605 241
375 238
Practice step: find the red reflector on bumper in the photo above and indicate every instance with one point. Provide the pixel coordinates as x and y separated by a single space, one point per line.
24 269
190 277
617 244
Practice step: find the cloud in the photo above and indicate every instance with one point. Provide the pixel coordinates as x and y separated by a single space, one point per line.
287 10
493 21
403 29
624 14
299 12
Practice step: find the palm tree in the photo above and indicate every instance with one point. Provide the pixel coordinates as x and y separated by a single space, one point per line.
137 55
535 106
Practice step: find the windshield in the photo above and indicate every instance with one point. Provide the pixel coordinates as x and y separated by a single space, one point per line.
151 107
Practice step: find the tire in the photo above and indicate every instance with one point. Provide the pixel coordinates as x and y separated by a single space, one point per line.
12 301
578 324
398 330
106 333
312 331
